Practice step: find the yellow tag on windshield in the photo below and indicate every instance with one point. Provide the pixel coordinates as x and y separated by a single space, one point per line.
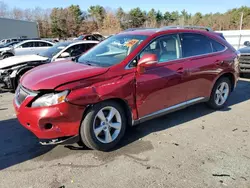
131 43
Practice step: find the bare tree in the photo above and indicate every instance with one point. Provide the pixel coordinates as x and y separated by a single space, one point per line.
17 13
3 9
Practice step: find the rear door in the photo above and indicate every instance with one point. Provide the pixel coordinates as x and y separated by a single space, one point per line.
41 46
203 63
162 86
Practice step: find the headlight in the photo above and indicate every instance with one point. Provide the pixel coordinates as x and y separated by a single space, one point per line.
50 99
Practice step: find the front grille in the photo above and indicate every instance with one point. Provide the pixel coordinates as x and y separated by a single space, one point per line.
244 62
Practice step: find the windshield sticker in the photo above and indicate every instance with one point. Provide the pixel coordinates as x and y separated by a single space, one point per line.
131 43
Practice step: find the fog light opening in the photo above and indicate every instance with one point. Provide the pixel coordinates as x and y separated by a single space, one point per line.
48 126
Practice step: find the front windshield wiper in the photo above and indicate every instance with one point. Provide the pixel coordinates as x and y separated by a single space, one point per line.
89 63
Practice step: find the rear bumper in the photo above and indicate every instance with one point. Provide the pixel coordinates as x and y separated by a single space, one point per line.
53 123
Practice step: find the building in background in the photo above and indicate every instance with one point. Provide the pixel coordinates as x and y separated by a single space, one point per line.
10 28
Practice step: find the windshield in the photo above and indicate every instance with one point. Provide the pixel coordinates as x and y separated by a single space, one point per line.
51 52
112 50
8 44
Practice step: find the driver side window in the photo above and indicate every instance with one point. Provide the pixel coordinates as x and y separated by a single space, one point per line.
27 45
70 50
166 48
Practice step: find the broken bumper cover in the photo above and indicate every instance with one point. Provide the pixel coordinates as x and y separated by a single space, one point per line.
54 123
6 81
58 141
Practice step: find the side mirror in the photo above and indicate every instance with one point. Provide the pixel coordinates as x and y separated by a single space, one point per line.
247 43
65 55
147 60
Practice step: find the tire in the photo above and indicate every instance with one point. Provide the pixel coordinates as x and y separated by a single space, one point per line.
213 102
103 133
6 56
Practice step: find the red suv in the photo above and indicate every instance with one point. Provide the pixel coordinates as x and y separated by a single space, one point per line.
127 79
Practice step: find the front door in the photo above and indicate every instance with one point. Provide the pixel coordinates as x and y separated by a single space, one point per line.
164 85
25 49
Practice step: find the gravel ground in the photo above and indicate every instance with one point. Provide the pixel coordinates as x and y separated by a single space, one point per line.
195 147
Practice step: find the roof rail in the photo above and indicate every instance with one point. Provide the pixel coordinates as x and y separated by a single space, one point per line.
185 27
135 29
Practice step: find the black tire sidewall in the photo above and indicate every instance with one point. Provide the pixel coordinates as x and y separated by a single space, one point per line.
212 102
6 56
87 130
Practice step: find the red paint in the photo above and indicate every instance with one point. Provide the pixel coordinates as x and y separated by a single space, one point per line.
60 116
159 86
58 73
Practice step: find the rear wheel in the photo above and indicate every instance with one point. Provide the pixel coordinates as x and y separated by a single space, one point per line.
103 126
220 93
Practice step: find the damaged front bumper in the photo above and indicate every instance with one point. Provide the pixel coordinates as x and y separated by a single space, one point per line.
62 140
55 124
6 80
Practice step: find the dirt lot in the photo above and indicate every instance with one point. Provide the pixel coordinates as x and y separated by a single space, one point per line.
195 147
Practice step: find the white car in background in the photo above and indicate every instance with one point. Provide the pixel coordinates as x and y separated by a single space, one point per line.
25 48
12 68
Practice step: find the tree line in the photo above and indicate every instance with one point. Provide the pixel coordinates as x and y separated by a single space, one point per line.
72 21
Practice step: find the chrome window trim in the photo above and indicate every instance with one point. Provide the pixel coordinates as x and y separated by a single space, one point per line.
182 58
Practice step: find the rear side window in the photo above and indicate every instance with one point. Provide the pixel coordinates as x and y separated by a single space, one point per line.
43 44
36 44
195 44
89 45
217 47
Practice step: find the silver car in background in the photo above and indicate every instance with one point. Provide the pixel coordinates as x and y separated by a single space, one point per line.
26 47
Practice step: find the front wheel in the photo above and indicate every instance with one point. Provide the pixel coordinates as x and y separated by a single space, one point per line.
103 126
7 55
220 93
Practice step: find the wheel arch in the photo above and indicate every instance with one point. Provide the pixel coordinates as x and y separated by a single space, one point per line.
230 76
124 104
7 53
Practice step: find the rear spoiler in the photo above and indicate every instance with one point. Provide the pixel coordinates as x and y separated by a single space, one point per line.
221 35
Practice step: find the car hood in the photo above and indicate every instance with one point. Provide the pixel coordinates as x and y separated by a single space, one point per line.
51 75
15 60
245 50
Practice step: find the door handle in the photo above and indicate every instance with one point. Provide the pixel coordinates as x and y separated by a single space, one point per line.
180 70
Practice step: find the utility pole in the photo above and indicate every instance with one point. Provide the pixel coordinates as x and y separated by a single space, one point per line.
241 22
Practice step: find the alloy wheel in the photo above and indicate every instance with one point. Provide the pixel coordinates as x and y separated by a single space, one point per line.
107 124
222 93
